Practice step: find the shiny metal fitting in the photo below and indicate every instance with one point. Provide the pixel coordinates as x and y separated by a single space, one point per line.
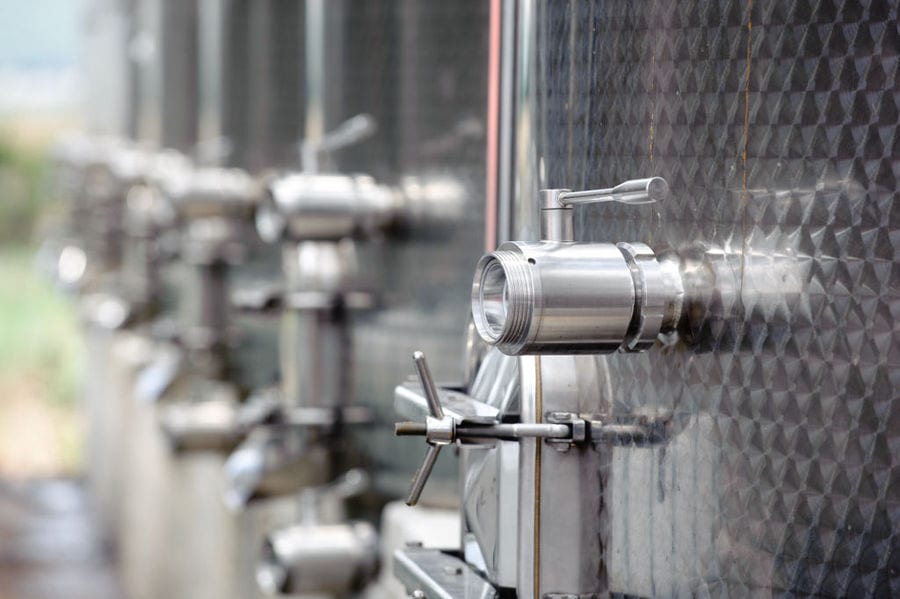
324 207
333 559
570 298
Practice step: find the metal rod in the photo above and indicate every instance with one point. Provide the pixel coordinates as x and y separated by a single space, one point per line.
515 431
422 474
431 392
635 191
410 429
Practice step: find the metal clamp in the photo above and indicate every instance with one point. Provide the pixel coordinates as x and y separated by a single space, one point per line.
440 429
562 430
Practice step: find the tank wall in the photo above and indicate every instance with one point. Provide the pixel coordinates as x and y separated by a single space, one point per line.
776 126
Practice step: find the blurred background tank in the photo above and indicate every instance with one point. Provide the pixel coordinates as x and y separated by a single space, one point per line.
426 88
245 51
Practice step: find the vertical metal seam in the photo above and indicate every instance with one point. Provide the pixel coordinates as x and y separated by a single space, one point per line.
493 125
747 93
538 417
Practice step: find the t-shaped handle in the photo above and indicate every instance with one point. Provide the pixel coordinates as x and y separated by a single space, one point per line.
437 424
557 205
442 428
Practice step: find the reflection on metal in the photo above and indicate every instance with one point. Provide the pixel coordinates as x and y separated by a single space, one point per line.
71 265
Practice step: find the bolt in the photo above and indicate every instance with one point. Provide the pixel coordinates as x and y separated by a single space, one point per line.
403 429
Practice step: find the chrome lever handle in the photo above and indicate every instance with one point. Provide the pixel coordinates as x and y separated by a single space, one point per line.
438 429
634 191
431 393
422 474
558 205
352 131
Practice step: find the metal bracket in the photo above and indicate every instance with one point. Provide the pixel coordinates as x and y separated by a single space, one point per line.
434 574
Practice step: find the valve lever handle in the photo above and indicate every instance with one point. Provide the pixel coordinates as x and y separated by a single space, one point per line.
428 386
634 191
350 132
422 474
558 205
436 411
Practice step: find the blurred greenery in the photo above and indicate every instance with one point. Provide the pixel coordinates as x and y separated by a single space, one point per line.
23 193
39 337
40 345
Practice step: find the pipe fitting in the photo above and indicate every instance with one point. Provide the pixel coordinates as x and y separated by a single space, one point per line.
571 298
335 559
303 207
205 425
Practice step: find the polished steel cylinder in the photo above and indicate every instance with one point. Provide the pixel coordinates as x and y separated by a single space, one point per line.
208 425
325 207
570 298
328 559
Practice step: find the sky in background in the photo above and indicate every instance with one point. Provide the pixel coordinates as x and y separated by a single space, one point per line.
40 42
39 33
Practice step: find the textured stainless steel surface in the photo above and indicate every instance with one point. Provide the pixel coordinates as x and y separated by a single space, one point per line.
419 68
775 125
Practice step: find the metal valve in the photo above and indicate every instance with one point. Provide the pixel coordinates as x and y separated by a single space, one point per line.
559 296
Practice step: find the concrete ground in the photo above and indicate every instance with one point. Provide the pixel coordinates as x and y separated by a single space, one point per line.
50 546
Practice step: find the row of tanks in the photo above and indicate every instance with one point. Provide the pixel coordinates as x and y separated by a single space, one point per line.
673 372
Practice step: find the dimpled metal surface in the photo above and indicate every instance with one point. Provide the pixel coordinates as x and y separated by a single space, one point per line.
776 126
